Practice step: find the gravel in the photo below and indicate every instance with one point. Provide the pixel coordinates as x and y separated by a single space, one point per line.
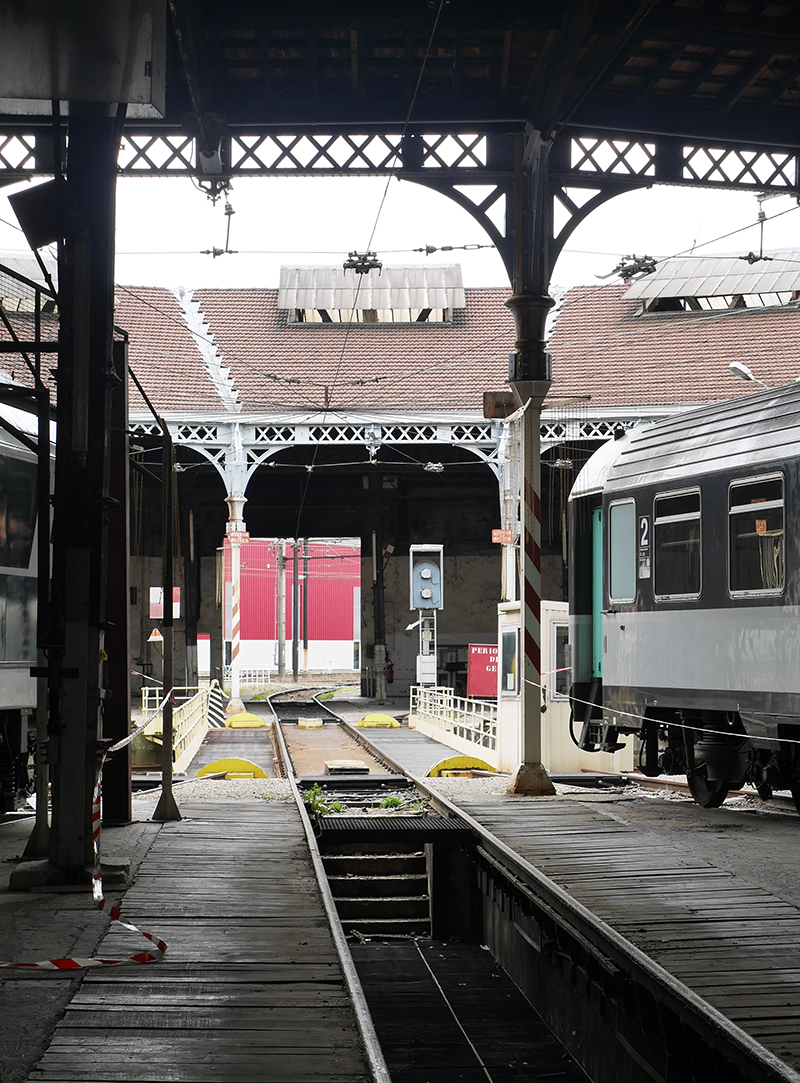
221 789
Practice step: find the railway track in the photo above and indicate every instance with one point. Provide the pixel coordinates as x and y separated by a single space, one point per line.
621 1016
668 785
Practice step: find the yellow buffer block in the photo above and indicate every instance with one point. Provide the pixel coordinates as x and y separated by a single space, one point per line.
459 764
244 720
378 721
233 768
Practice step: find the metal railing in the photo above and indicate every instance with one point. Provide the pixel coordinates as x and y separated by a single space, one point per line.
472 720
151 697
250 676
189 721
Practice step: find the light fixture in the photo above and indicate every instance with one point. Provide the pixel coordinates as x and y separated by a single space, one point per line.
373 445
738 369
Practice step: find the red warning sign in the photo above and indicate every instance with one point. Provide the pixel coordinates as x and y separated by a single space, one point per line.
482 669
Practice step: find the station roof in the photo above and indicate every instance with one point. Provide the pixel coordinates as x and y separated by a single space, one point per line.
605 346
163 353
244 353
219 351
707 68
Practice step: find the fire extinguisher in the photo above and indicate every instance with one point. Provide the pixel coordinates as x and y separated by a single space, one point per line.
389 670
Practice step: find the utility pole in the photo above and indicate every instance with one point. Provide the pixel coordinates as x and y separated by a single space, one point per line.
305 605
167 809
379 617
281 611
295 609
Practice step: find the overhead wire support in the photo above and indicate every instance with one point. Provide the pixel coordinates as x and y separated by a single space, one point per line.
362 263
429 249
227 250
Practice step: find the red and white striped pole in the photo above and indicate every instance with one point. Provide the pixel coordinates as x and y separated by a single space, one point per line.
530 776
236 569
237 535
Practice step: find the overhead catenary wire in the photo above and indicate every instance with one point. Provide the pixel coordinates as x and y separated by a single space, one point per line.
369 248
642 718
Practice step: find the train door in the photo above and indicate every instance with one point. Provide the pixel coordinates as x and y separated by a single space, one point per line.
597 593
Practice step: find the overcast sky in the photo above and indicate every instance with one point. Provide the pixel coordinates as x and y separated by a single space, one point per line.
163 226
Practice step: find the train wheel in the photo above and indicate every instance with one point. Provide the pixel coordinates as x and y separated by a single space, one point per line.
795 788
707 794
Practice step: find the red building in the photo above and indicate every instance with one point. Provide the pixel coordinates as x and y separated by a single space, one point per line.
328 592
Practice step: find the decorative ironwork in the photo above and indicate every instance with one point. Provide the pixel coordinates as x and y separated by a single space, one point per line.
274 434
740 168
597 157
578 158
612 157
475 169
190 434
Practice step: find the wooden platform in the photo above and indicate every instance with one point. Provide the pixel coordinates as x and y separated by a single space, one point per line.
731 941
250 988
246 744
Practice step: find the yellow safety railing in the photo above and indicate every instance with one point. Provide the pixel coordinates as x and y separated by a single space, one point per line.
189 722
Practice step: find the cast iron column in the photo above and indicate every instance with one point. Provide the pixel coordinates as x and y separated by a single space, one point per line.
117 713
80 523
530 380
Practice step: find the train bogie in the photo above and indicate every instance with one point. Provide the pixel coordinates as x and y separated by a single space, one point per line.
685 596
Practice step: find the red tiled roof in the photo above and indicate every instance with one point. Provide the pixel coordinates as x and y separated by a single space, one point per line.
408 367
162 353
23 325
607 348
602 346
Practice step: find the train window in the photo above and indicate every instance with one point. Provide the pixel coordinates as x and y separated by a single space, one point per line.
17 618
17 511
622 551
676 544
509 662
756 535
559 648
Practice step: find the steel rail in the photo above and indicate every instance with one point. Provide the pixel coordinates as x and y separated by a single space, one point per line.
608 948
300 689
366 1027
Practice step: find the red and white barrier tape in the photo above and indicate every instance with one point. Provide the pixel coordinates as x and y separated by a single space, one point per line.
78 963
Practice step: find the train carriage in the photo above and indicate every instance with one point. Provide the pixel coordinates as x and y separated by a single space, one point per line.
685 596
18 599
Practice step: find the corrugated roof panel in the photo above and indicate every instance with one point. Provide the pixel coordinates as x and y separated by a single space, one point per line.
692 287
676 278
391 288
769 282
786 281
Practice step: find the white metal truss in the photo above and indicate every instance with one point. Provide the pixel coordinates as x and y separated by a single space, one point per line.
237 448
